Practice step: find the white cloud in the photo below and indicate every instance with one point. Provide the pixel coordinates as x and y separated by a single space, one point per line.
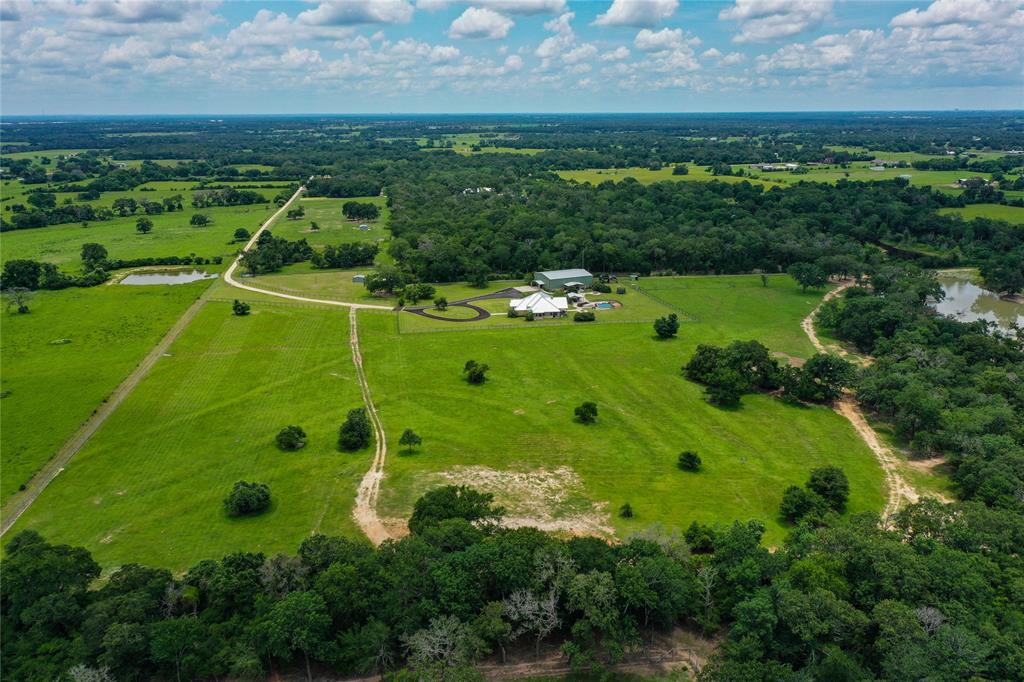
480 23
525 7
959 12
618 54
713 53
733 58
766 20
352 12
637 12
580 53
133 51
650 41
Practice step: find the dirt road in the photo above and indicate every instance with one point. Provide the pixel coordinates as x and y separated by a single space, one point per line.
229 274
365 511
900 492
21 501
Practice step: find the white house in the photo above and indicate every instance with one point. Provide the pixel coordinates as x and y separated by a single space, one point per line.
541 304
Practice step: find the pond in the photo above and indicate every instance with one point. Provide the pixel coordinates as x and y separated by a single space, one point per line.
967 302
166 277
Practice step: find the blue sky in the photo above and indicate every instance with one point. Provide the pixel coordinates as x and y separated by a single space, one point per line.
433 56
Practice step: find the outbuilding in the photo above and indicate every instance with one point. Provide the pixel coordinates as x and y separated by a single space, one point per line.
359 279
553 280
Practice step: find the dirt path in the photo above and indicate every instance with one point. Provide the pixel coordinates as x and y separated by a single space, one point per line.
229 274
21 501
900 492
365 511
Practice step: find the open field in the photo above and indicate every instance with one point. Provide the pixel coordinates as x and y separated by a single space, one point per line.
334 227
149 486
1011 214
646 176
66 356
515 435
172 235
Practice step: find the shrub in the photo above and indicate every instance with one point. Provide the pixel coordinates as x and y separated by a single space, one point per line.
247 499
586 413
476 373
584 316
529 316
242 234
441 303
409 439
689 461
291 438
797 503
601 288
356 432
831 484
240 308
666 327
626 511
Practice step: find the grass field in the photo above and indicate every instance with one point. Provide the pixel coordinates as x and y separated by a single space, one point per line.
334 227
1011 214
149 486
646 176
515 435
830 174
172 235
50 385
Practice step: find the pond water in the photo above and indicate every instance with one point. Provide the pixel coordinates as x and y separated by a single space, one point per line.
967 302
166 277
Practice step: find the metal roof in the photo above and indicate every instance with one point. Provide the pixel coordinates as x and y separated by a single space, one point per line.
563 274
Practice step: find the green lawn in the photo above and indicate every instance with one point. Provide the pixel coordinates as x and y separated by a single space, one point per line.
149 486
50 385
1011 214
519 424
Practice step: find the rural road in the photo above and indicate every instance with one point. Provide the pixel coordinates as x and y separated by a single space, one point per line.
365 510
899 491
229 274
21 501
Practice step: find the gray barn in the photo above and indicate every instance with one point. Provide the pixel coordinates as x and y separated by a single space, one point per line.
559 279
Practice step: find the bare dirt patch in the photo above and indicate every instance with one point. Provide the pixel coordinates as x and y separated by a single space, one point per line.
549 499
789 359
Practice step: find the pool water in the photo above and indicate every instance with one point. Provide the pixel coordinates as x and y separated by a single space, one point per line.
605 306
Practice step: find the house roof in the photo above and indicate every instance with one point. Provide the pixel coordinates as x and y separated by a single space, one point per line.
539 302
564 274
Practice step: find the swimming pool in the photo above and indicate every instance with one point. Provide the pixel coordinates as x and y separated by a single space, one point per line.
604 305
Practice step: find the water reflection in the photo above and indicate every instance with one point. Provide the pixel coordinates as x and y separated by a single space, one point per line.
166 277
967 302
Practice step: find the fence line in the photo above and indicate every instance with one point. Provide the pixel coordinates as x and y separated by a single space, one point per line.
667 304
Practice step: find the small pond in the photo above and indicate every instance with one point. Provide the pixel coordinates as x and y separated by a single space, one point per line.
967 302
166 277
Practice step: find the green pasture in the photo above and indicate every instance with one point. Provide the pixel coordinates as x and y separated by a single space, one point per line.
60 361
172 235
521 420
645 176
1011 214
150 484
335 228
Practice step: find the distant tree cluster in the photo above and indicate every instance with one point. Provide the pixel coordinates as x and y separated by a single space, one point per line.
345 255
271 253
360 210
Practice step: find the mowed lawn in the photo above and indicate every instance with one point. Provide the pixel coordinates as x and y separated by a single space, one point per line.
646 176
60 361
149 486
521 420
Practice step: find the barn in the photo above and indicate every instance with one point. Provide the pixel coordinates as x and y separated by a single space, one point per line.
560 279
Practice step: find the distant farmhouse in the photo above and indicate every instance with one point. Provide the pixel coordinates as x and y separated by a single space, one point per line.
552 280
541 304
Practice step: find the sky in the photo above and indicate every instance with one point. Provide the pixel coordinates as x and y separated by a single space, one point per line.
60 57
